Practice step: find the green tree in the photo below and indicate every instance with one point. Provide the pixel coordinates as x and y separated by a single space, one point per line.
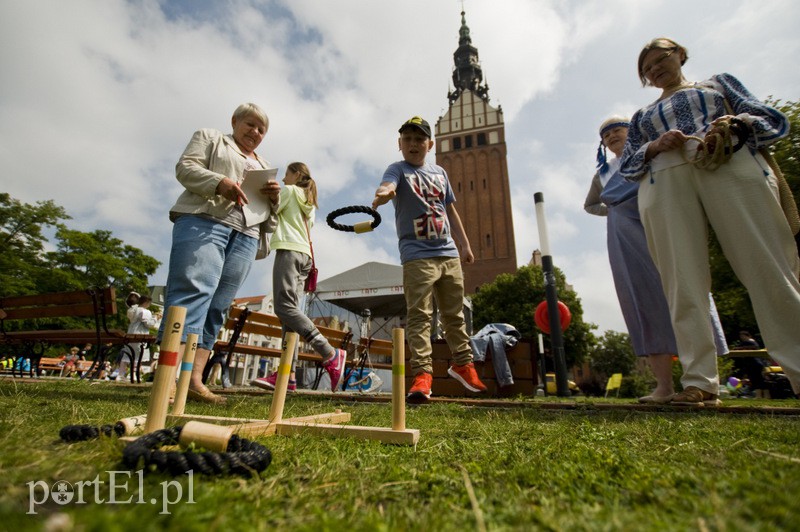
99 259
613 353
512 298
733 302
22 242
787 151
80 260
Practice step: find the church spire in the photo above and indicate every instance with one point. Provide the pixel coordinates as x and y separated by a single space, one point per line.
467 73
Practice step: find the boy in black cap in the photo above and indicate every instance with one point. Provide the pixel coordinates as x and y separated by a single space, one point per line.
426 221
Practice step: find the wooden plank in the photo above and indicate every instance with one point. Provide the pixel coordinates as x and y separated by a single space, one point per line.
269 326
58 304
523 350
60 311
382 434
218 420
39 300
66 336
748 353
329 417
449 387
376 347
260 351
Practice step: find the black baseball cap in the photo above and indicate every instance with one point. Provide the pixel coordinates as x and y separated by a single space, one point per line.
418 123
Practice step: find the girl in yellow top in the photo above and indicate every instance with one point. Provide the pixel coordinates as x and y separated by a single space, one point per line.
291 243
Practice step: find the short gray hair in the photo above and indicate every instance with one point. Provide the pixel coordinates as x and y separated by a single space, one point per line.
248 109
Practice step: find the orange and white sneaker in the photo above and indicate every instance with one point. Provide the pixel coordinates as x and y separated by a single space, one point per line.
467 376
420 390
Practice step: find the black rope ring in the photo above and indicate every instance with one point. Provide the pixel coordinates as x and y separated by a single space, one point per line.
331 219
242 457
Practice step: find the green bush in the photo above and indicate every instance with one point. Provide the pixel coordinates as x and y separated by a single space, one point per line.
634 385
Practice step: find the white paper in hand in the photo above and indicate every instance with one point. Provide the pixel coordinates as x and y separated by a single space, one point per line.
257 210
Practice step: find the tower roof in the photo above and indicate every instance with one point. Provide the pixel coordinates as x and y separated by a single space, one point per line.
467 72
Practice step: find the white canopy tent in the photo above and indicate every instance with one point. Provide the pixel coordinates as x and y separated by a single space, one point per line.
373 285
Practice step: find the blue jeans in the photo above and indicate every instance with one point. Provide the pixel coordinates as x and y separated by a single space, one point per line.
208 263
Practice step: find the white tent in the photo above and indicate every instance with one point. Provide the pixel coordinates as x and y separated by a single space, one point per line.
373 285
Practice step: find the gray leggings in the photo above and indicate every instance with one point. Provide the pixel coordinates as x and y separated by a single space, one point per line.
288 277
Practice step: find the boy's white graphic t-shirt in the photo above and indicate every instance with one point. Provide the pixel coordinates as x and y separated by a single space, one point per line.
423 193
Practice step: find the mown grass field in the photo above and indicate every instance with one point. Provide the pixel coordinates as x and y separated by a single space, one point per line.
521 468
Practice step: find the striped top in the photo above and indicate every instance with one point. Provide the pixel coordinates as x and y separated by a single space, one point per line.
691 110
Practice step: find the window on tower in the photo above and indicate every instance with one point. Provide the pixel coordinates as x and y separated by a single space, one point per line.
481 139
468 141
457 143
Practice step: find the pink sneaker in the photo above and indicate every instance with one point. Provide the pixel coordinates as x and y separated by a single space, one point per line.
335 368
268 382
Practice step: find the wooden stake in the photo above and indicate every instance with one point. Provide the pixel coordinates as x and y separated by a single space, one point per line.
186 373
165 372
282 382
398 379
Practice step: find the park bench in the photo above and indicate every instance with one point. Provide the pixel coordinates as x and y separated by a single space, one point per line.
241 320
56 366
92 303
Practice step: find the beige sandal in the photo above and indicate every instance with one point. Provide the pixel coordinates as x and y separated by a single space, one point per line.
204 395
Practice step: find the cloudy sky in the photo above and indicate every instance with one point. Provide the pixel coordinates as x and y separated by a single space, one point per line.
99 98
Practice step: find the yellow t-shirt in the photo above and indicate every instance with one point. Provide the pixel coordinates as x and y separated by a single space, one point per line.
291 232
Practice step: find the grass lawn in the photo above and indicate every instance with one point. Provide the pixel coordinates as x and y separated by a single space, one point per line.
520 468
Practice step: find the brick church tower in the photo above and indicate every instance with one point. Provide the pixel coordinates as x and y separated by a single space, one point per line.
471 147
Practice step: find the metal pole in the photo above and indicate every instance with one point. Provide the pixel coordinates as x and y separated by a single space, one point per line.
551 292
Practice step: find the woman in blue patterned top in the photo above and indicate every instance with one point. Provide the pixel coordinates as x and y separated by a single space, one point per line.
678 200
636 279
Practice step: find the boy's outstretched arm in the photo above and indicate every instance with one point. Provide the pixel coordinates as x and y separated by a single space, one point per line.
384 193
459 235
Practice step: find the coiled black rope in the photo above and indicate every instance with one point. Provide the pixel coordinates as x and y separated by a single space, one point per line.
89 432
242 457
331 219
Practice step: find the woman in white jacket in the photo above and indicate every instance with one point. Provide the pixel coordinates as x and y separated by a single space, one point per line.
215 240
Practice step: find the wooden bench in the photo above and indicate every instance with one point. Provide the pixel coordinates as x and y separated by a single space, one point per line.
92 303
243 321
58 365
375 347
